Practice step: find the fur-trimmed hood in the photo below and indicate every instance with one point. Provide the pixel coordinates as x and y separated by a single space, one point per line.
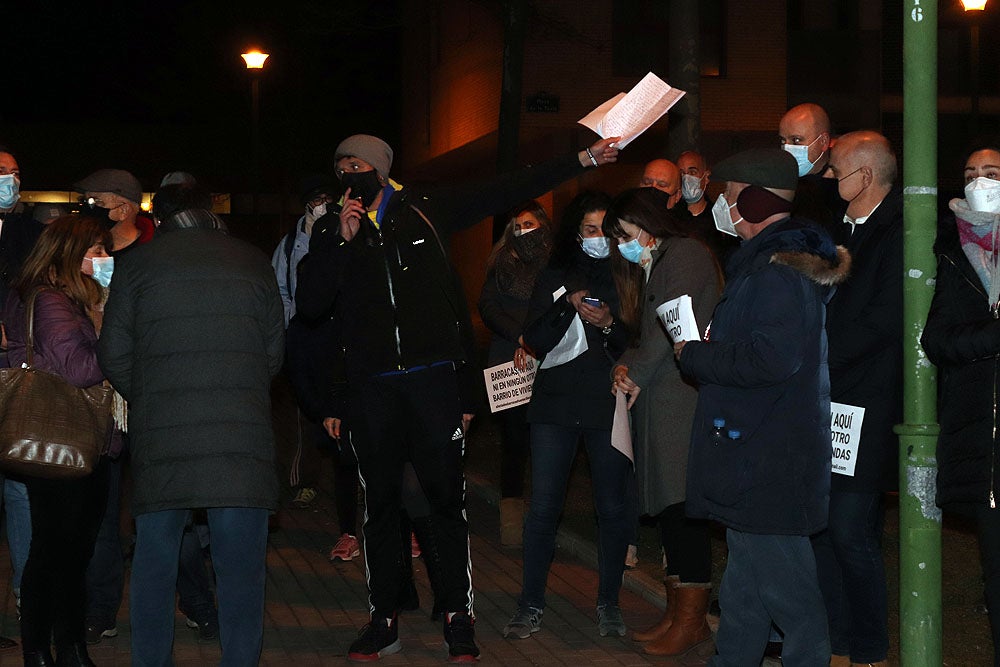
800 245
818 269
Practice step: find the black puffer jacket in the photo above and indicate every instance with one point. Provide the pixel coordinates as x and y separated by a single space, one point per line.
962 338
193 333
394 290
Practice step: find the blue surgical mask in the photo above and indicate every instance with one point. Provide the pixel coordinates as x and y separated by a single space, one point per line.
801 154
631 250
104 267
10 189
597 247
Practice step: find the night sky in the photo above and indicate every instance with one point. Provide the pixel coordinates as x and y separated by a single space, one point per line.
153 87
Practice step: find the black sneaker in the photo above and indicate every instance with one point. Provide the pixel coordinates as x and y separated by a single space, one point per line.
97 630
460 637
379 638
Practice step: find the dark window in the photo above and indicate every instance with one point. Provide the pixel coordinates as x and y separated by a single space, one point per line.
640 30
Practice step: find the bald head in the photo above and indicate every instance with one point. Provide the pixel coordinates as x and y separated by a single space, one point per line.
865 149
664 176
807 125
690 162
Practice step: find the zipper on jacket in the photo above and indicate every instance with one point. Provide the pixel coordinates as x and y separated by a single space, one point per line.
392 298
995 313
993 451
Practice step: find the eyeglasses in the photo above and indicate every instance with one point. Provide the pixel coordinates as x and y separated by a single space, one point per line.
91 202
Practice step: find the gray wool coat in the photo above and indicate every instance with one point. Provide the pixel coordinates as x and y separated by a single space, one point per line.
663 412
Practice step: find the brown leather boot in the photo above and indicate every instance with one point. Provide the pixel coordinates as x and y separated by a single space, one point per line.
660 629
840 661
511 521
689 627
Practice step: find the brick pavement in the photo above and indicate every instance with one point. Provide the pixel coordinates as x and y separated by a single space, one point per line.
314 608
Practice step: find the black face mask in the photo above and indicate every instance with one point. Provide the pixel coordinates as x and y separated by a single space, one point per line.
364 186
95 211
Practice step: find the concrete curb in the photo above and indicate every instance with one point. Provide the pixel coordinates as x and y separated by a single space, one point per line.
579 547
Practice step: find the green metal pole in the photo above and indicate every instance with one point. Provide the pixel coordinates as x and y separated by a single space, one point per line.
919 517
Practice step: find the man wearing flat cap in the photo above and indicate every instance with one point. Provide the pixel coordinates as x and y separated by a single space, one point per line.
116 195
760 444
382 270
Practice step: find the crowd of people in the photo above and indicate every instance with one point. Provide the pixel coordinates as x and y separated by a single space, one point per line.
790 284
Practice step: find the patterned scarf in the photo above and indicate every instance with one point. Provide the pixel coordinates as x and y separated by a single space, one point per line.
979 233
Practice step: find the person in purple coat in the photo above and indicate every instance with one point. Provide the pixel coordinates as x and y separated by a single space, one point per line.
63 273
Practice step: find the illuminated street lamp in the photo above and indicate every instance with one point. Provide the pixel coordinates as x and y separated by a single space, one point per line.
255 65
976 8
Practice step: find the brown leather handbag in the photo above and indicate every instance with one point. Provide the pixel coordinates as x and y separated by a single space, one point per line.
49 428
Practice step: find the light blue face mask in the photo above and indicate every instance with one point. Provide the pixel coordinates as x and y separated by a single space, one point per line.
104 267
631 250
801 154
10 189
597 247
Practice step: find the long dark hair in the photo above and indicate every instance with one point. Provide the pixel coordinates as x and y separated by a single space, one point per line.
646 208
531 206
566 246
57 256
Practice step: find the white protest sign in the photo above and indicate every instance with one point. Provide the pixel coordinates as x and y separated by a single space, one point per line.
573 342
629 115
506 386
845 432
677 316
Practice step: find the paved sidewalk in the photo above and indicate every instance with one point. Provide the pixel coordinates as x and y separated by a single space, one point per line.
314 608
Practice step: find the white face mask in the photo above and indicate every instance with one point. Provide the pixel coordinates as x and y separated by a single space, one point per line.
691 188
317 211
723 220
983 194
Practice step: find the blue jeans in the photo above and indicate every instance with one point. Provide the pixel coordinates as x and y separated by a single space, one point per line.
239 546
18 514
770 578
553 449
852 576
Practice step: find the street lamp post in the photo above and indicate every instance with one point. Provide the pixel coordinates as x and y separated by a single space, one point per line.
255 64
975 9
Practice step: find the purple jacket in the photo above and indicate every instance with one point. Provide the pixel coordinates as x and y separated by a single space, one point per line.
65 339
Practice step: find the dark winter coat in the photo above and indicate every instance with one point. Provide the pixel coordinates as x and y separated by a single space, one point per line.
662 414
577 393
394 289
17 237
962 337
864 325
764 372
193 333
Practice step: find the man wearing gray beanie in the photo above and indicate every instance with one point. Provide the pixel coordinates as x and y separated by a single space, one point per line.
381 270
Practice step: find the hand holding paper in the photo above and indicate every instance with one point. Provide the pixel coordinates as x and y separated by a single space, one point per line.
677 316
629 115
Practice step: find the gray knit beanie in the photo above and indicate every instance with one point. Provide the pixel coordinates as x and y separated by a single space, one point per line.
371 149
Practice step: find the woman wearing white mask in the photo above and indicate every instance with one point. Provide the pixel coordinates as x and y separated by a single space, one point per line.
658 262
962 337
511 271
574 330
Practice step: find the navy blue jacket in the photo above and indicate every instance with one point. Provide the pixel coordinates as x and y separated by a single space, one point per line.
763 370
